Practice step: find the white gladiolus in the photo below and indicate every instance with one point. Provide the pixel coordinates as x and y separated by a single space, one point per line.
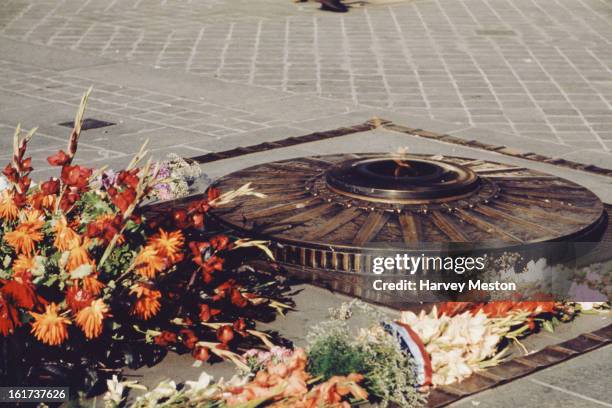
457 345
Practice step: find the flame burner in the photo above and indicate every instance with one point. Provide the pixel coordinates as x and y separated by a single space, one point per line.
327 216
401 181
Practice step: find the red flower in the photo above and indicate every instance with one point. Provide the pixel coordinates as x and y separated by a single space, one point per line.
10 173
200 353
454 308
220 242
124 199
24 183
58 159
223 289
76 176
531 323
225 334
180 218
240 326
165 338
198 220
70 197
197 211
206 313
189 338
214 263
105 227
197 249
199 206
497 309
78 298
237 299
51 186
25 165
9 317
21 294
128 178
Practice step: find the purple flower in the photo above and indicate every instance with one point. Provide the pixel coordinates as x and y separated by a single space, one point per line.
108 178
163 191
163 172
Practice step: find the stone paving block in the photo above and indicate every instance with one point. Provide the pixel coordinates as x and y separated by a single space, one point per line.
47 57
170 83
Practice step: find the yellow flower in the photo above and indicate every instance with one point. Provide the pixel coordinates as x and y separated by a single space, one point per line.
65 237
89 319
148 263
168 245
8 208
147 304
27 233
49 327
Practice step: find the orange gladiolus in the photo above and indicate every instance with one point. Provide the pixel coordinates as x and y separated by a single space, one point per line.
27 233
147 304
65 237
90 318
168 245
148 263
8 207
49 327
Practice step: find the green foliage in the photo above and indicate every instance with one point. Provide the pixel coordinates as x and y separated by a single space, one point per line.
337 349
335 355
119 260
92 206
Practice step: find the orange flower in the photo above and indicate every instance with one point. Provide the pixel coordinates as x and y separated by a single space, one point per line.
27 233
8 208
89 319
23 265
79 255
92 284
49 327
148 263
147 304
168 245
65 237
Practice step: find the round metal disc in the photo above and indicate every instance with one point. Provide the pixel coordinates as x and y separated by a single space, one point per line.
354 202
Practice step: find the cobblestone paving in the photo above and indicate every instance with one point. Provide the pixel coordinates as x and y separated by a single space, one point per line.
31 96
540 69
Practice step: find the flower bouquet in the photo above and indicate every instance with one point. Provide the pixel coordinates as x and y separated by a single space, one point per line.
91 282
280 380
344 365
456 339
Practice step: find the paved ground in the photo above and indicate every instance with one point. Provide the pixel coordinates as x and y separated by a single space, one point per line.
194 76
533 70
